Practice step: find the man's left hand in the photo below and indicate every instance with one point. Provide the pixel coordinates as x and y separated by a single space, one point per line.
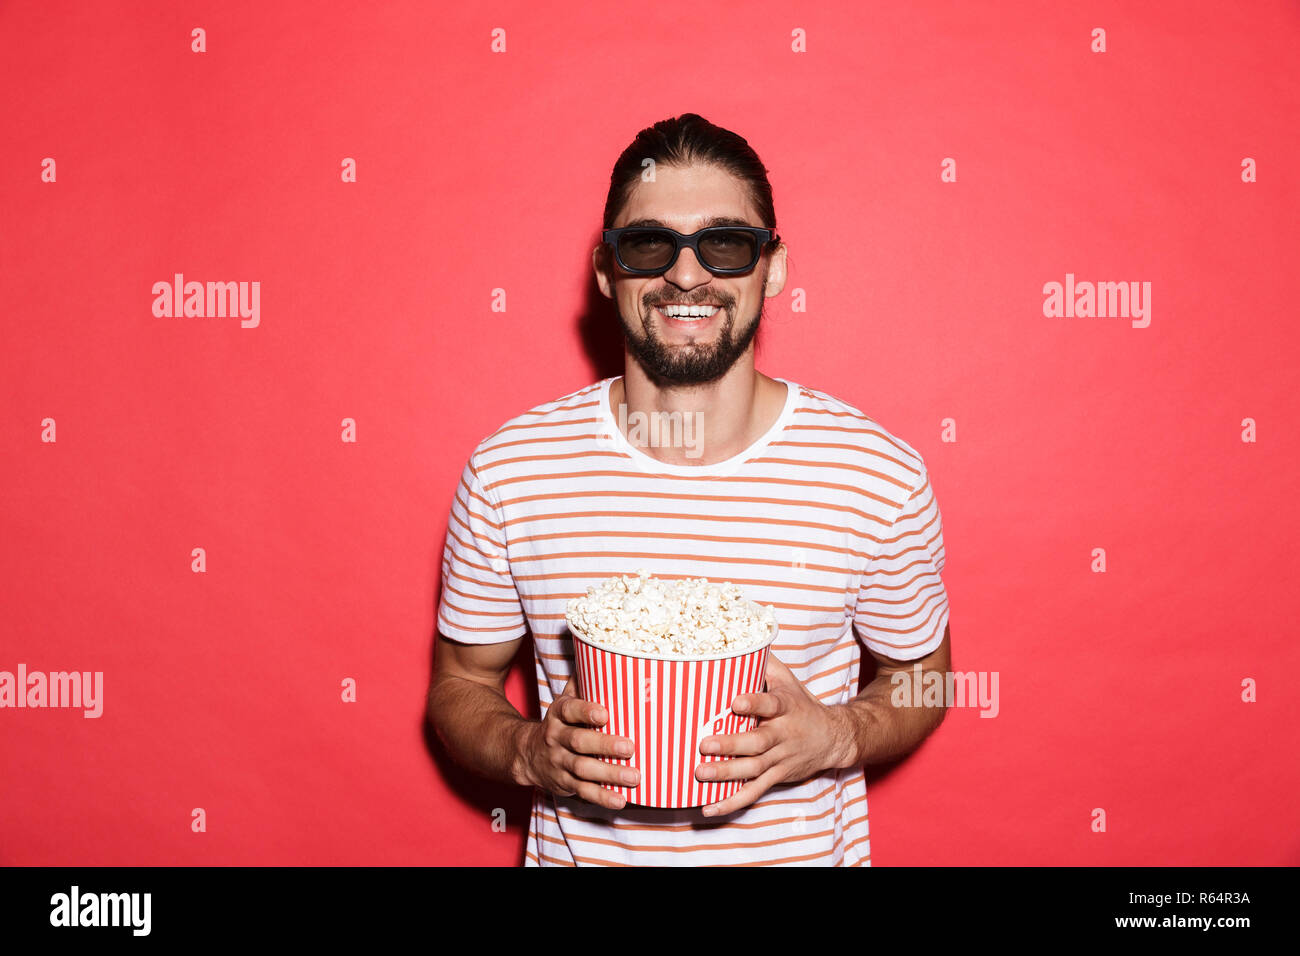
797 737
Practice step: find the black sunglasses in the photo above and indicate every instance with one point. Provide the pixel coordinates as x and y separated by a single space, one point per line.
723 250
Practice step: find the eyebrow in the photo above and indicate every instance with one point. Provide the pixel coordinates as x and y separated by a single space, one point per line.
707 224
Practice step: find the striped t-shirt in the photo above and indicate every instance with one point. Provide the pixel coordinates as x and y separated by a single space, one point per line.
827 517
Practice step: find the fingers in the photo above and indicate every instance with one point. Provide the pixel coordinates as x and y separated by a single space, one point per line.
574 710
595 793
737 768
758 705
598 742
578 743
573 774
598 771
587 777
577 712
567 785
569 733
745 795
576 772
750 742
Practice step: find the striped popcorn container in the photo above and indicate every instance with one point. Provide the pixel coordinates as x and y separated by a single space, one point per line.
667 706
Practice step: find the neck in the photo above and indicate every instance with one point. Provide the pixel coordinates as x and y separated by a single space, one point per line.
696 424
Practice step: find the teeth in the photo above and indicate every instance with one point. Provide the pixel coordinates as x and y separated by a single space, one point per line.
688 311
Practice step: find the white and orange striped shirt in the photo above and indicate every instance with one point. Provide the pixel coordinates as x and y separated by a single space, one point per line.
828 518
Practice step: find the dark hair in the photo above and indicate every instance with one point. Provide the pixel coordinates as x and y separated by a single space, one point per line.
683 141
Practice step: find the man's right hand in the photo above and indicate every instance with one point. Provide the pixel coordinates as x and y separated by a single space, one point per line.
554 752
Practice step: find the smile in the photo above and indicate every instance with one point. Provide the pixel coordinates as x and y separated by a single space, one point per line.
686 316
688 311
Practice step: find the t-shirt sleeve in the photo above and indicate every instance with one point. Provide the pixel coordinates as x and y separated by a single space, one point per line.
479 603
902 609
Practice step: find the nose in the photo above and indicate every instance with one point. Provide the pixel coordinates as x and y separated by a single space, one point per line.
687 273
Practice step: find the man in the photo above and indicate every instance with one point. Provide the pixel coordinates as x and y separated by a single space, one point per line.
797 497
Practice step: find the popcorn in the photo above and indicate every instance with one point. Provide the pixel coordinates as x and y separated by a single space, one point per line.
674 619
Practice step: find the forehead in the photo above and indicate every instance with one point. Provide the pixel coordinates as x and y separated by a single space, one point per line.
689 198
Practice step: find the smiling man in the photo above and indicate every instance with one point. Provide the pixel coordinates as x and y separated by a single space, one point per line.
801 499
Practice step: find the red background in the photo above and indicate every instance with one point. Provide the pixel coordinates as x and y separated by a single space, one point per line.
479 171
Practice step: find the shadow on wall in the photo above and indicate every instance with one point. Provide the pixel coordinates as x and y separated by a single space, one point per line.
482 795
600 331
602 340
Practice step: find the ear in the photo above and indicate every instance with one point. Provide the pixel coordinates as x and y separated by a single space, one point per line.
600 262
776 274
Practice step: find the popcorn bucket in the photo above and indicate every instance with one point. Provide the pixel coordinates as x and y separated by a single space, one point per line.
667 706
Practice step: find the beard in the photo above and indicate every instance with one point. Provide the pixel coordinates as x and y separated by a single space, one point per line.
693 363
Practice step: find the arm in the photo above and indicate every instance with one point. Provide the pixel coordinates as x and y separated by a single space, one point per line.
484 732
468 708
903 587
800 737
872 729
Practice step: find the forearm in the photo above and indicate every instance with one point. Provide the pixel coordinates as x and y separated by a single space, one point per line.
873 730
481 729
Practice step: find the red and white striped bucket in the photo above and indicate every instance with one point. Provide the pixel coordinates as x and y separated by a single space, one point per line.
667 706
